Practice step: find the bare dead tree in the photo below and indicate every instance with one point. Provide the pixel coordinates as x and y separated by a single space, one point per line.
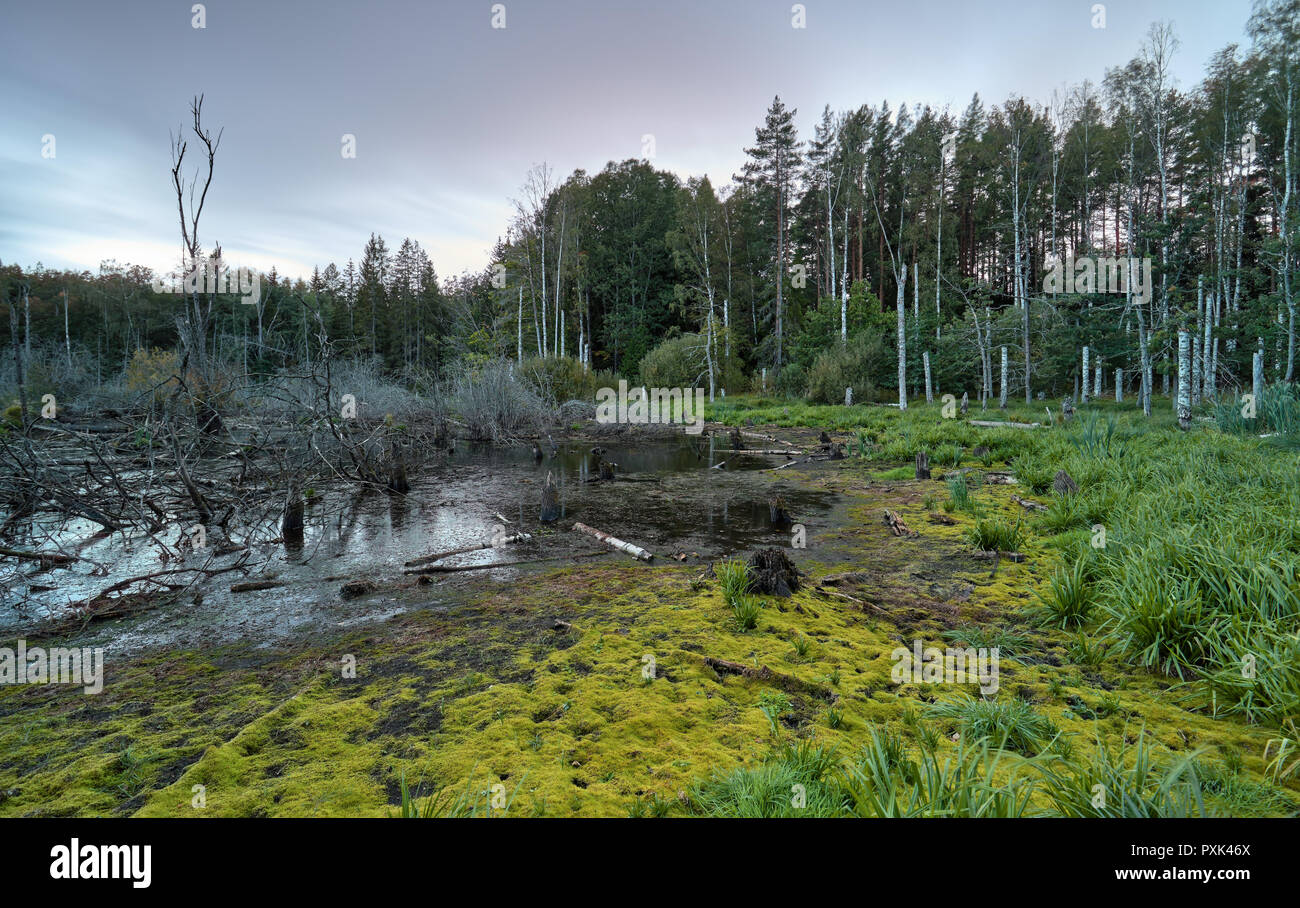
192 327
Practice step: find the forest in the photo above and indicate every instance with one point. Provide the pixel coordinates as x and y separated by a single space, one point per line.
907 233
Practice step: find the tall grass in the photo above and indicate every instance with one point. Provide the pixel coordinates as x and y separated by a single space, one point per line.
975 778
1011 723
1277 413
992 534
1068 601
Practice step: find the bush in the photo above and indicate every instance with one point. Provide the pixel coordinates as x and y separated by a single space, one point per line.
152 370
558 379
495 404
1069 600
676 363
840 367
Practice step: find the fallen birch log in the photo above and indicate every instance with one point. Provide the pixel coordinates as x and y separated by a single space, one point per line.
1027 504
634 550
1002 424
429 559
784 465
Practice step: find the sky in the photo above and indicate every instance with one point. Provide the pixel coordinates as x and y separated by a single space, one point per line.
449 112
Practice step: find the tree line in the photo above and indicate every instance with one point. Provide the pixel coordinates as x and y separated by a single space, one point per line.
895 248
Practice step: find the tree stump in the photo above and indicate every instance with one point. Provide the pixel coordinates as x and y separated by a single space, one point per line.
291 521
773 572
777 512
1067 409
607 470
1063 484
922 465
398 482
965 402
550 500
736 441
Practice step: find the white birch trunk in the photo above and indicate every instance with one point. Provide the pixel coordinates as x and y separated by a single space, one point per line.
902 338
1002 399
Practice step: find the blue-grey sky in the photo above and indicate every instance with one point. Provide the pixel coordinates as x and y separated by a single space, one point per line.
449 113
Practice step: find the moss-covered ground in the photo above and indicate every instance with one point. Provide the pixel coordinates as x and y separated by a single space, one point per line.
584 690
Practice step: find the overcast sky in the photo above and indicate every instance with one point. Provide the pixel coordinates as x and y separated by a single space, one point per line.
449 113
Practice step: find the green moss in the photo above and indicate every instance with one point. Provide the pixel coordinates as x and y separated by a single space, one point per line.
492 698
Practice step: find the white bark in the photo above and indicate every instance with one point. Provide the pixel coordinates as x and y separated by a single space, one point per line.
1184 402
1002 399
902 339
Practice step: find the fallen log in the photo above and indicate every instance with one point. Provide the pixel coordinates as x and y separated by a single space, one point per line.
47 559
458 568
895 523
634 550
944 519
860 603
252 585
429 559
763 673
784 465
764 437
1002 424
1014 557
1027 504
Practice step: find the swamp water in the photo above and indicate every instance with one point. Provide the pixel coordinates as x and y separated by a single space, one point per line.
665 498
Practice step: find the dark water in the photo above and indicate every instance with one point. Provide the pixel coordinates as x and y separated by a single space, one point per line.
665 498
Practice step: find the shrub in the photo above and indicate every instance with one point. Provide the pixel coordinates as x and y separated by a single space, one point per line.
675 363
840 366
557 379
495 404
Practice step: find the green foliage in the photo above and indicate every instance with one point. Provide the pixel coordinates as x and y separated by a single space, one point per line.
746 610
1278 413
733 578
838 367
993 534
1068 602
1125 781
773 705
562 378
1012 723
